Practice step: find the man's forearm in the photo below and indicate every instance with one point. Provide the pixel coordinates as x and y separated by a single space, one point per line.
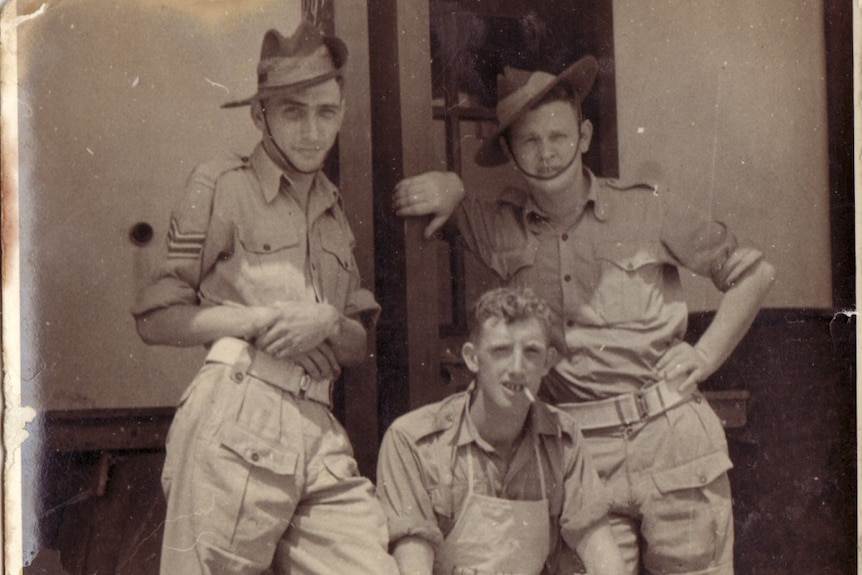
599 552
735 314
190 325
414 555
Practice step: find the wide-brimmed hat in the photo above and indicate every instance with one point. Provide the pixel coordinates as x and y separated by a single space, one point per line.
519 90
288 64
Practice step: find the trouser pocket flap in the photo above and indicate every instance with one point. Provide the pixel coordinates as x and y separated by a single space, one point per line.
697 473
255 450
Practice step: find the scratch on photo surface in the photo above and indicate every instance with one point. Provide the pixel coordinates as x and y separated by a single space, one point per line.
222 86
196 513
193 545
140 542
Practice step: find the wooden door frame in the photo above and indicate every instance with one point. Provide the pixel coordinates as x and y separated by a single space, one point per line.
408 360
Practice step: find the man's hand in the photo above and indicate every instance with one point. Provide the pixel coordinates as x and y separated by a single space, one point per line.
319 363
295 329
684 365
436 193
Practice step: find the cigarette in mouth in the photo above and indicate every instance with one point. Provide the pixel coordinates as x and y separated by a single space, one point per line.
529 395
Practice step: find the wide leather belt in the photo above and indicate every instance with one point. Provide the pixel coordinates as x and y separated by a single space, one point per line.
281 373
628 408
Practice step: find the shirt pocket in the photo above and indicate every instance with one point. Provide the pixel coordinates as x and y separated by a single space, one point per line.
263 241
336 268
269 263
630 281
255 451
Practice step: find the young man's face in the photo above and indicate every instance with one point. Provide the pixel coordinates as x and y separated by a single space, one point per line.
506 358
304 124
548 141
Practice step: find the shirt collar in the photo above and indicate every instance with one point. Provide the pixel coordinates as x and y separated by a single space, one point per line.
268 173
323 194
533 214
540 420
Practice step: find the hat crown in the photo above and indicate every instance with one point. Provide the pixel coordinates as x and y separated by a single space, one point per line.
304 42
289 63
512 80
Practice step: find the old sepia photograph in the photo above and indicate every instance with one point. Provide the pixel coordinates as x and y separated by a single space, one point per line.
429 287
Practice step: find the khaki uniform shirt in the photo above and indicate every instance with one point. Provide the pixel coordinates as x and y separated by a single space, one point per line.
238 236
611 279
422 471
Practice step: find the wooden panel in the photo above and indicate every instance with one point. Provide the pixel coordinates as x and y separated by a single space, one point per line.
405 265
105 429
359 390
839 85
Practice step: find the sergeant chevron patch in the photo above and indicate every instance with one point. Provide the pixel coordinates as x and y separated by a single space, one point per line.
184 244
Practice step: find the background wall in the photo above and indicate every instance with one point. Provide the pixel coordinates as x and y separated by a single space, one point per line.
726 102
118 101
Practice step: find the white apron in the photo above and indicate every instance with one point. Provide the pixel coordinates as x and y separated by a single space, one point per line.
494 536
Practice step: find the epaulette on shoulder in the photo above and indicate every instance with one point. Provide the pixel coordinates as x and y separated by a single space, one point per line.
630 186
209 172
430 419
225 164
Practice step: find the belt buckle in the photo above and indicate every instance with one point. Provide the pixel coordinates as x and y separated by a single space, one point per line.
641 404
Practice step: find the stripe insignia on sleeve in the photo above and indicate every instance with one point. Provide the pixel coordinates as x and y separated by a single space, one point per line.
184 244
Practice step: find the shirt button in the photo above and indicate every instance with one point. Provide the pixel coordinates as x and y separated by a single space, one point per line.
266 247
567 278
565 237
630 266
703 479
237 376
255 456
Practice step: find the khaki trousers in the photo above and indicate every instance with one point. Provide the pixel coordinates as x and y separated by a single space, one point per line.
257 479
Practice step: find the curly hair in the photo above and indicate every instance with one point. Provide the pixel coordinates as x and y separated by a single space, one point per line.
510 305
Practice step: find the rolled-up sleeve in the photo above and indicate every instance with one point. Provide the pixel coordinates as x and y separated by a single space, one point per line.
402 492
706 247
360 302
194 241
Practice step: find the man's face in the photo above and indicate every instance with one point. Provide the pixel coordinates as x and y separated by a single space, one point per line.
304 124
548 141
506 358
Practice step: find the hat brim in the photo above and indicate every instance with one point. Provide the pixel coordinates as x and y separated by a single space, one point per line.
580 76
265 93
338 51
